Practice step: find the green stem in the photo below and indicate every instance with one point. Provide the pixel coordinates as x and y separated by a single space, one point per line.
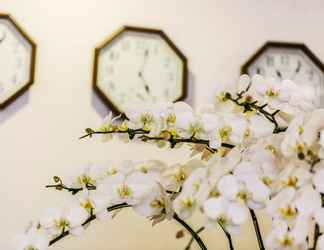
91 218
228 235
191 231
192 238
257 229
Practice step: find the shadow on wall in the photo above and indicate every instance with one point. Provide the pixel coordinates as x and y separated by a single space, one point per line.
103 110
14 107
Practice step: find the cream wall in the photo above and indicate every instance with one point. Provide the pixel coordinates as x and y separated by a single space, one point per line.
38 133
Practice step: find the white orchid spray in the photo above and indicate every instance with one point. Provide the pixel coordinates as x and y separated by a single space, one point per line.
260 147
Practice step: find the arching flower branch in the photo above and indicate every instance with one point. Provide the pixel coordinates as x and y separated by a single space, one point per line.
260 147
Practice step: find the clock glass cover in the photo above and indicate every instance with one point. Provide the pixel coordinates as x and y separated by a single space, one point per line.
17 59
139 66
290 61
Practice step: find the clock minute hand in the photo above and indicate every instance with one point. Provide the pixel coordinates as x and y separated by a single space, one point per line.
140 73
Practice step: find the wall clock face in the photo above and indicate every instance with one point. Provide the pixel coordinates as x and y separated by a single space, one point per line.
137 66
17 60
289 61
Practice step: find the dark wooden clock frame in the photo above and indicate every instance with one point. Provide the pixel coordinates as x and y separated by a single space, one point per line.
286 45
32 63
104 97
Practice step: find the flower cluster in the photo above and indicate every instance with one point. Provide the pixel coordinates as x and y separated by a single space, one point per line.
259 147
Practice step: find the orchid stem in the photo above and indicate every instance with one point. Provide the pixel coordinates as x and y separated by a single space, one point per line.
257 229
191 231
228 235
91 218
192 238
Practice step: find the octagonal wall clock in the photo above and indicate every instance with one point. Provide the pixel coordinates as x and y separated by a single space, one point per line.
17 60
293 61
139 66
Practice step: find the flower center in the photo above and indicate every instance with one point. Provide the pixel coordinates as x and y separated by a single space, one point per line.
181 176
62 223
288 212
157 203
188 202
287 241
272 93
124 191
225 132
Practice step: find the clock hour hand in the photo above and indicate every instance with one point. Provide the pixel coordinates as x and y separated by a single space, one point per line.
278 73
146 87
140 72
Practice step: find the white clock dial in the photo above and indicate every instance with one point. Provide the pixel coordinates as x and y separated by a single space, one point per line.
293 64
138 67
15 60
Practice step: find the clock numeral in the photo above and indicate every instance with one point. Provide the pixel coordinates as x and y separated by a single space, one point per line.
125 45
270 61
111 85
167 62
140 44
284 59
156 50
110 70
14 79
310 75
114 56
259 71
171 77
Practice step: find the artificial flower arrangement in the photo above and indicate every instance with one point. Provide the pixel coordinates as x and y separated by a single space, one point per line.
259 146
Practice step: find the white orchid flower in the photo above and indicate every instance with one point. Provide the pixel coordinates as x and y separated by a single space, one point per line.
33 239
107 127
187 123
152 168
154 203
285 95
192 194
131 189
86 176
283 238
231 215
281 205
95 203
175 175
57 220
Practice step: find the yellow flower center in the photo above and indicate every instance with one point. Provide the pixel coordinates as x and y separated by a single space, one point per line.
88 205
181 176
292 181
144 169
124 191
171 119
30 248
301 130
286 241
157 203
62 223
272 93
146 118
288 212
222 220
112 171
188 203
86 180
271 148
267 180
221 97
225 132
243 195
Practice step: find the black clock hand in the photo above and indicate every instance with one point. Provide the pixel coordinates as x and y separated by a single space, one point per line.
140 73
279 74
298 67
